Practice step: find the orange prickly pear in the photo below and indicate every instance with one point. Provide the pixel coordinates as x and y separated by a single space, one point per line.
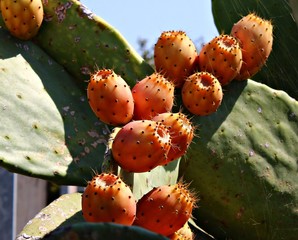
174 56
108 199
141 145
222 57
202 93
256 38
165 209
181 131
152 95
110 97
23 18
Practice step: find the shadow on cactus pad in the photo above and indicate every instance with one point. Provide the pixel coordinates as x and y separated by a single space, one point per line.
50 131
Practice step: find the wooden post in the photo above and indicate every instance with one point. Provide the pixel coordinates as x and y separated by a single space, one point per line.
6 205
31 197
21 198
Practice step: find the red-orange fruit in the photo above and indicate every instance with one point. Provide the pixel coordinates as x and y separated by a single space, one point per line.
110 97
108 199
202 93
222 57
174 56
141 145
165 209
181 131
23 18
152 95
256 38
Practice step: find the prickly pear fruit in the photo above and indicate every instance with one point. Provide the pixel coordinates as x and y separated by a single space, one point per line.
256 38
141 145
110 97
222 57
183 233
174 56
202 93
181 131
23 18
165 209
152 95
108 199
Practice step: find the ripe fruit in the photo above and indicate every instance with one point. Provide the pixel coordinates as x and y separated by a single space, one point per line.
141 145
108 199
202 93
181 131
110 97
165 209
23 18
222 57
256 39
152 95
174 56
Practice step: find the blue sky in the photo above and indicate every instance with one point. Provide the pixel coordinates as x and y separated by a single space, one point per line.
147 19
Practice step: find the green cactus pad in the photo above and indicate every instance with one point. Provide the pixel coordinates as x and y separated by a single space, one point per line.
83 42
47 127
244 165
64 211
280 71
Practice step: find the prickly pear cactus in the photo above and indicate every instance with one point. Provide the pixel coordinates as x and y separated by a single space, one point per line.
244 162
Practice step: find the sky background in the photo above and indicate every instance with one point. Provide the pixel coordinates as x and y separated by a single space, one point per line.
147 19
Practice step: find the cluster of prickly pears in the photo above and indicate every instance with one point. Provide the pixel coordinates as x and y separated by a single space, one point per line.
22 18
238 55
164 210
241 54
150 135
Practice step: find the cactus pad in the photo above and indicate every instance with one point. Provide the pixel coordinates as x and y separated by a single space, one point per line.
244 165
